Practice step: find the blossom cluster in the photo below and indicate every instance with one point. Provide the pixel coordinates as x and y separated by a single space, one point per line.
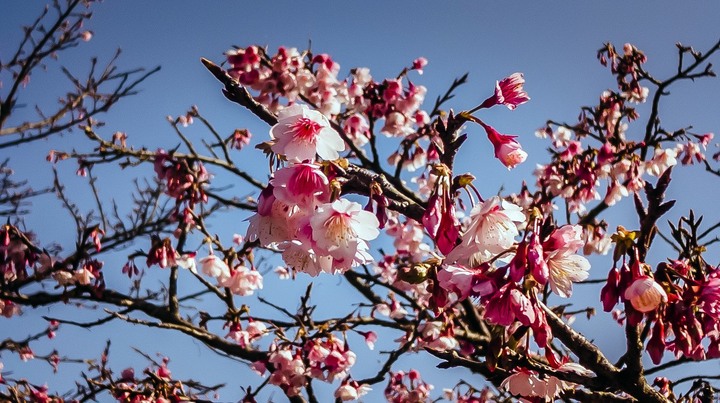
327 359
297 213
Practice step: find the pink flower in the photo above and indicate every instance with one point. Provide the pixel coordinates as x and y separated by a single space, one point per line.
509 92
565 266
524 383
351 390
341 229
507 149
492 230
419 64
213 266
456 279
301 184
301 133
645 294
243 281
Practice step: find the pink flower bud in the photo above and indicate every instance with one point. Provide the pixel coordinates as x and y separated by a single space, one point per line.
507 149
645 294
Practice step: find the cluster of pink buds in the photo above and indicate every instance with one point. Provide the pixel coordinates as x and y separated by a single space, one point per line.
15 256
184 180
688 324
293 75
407 388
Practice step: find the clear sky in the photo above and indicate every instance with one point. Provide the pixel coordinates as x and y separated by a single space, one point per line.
553 43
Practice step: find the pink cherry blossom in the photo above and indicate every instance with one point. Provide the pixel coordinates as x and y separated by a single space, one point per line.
215 267
341 229
645 294
419 64
302 184
509 92
507 149
565 266
492 230
243 281
301 133
351 390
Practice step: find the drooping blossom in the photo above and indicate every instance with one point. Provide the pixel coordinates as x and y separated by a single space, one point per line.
507 149
275 222
440 219
662 160
214 266
329 359
509 92
492 230
301 133
645 294
289 370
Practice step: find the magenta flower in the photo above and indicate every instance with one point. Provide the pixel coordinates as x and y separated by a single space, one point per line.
301 184
509 92
507 149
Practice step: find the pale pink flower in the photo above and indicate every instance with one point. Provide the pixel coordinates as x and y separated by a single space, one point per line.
83 276
434 335
525 383
302 184
645 294
492 230
507 149
351 391
282 272
301 133
357 129
615 193
509 92
289 371
215 267
395 125
302 258
456 279
662 160
275 221
564 265
243 281
341 229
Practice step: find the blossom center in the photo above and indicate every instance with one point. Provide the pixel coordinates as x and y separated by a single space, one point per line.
339 230
305 129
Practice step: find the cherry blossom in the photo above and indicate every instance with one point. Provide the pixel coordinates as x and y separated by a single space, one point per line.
645 294
341 229
301 133
492 230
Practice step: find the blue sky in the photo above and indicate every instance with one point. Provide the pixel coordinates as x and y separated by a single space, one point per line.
552 43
